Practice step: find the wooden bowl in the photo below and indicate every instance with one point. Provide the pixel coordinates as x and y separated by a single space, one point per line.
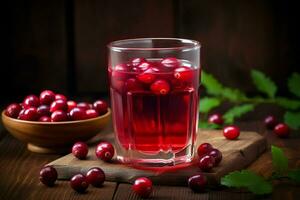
54 137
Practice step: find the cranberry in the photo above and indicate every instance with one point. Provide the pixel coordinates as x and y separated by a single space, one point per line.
84 105
136 61
59 116
216 119
105 151
100 107
170 62
142 187
198 183
183 73
71 105
204 149
147 76
78 114
60 96
13 110
142 67
132 84
80 150
45 119
231 132
29 114
160 87
79 183
48 175
91 113
95 176
31 101
282 130
206 163
117 85
47 97
270 122
59 104
43 110
217 156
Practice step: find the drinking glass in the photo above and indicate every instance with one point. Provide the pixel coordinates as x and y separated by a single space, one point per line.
154 96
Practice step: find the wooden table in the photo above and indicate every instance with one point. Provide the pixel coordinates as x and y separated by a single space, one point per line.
19 170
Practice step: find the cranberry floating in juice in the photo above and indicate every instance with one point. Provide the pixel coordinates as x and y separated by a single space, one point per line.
154 96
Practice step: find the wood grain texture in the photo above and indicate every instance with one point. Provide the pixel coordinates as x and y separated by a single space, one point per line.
237 154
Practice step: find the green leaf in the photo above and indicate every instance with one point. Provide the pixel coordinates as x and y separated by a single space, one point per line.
294 175
233 94
288 103
212 85
249 180
292 119
206 125
237 111
208 103
294 84
263 83
279 160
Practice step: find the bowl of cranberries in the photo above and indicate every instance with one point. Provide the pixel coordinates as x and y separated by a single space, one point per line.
51 123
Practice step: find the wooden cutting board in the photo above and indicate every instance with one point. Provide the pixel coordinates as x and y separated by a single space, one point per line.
237 154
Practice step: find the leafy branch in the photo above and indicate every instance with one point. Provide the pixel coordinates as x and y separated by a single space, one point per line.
218 94
257 184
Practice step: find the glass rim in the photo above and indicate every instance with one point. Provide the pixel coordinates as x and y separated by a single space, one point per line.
115 45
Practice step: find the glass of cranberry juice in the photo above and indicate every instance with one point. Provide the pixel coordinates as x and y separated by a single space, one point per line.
154 95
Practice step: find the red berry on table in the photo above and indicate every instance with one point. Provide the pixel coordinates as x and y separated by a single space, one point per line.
142 187
61 96
95 176
198 183
282 130
204 149
270 121
78 114
215 119
29 114
170 62
79 183
105 151
100 106
80 150
45 119
43 110
183 73
71 105
133 84
147 76
231 132
59 116
31 101
47 97
84 105
206 163
160 87
91 113
48 175
59 104
13 110
217 156
136 61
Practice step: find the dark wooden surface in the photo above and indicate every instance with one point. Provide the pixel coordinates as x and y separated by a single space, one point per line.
19 170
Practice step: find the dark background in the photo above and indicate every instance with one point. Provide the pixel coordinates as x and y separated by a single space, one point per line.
61 44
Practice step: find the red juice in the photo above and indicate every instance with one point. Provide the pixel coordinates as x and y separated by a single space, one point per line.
154 105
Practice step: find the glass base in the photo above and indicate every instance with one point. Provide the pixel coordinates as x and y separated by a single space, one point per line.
160 159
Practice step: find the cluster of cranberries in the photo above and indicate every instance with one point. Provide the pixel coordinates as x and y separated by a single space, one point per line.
51 107
280 129
159 77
